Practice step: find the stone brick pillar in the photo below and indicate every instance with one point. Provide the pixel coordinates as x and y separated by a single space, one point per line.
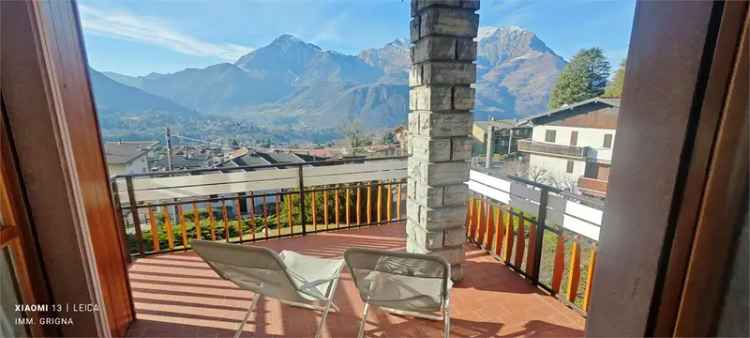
440 103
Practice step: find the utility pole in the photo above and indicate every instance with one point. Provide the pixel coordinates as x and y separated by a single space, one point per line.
169 148
489 143
510 140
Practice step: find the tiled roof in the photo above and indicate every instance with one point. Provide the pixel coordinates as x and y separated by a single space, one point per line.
126 151
571 108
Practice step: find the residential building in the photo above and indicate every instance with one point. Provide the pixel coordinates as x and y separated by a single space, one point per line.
128 157
571 147
505 135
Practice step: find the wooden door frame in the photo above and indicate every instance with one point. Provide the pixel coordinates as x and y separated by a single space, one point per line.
53 128
679 65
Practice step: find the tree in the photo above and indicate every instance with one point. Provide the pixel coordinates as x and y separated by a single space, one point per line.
614 88
583 78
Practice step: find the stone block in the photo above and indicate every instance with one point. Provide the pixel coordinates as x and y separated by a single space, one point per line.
418 5
442 196
415 76
433 98
448 21
430 149
466 49
460 148
437 173
440 124
463 98
414 28
448 73
434 48
471 4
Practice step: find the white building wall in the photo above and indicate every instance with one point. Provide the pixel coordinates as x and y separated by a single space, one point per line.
137 166
587 137
556 169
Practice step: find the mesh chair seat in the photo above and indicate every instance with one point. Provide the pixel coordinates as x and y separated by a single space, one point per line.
310 275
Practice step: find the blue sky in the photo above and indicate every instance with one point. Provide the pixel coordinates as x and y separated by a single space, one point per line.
137 37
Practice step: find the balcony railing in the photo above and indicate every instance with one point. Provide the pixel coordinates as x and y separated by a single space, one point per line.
545 234
161 212
551 148
593 186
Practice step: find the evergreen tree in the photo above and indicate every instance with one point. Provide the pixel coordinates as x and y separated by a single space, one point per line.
583 78
614 88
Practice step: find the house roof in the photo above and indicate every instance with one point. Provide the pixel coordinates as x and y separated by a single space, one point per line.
569 110
123 152
251 158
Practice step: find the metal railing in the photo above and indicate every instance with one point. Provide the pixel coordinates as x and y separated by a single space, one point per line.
535 229
551 148
162 211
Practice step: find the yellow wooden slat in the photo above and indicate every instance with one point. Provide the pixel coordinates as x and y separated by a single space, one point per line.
278 215
490 228
289 213
314 209
509 237
251 209
574 274
379 203
154 229
265 213
325 207
168 227
589 279
531 251
500 232
520 241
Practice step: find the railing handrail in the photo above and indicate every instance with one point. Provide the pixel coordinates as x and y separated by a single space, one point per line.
571 150
255 167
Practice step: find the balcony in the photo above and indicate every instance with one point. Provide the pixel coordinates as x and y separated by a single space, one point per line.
529 146
527 273
593 186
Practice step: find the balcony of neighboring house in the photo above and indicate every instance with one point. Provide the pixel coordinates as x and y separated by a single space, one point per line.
593 186
525 274
552 149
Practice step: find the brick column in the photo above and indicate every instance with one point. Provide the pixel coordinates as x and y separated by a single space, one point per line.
440 103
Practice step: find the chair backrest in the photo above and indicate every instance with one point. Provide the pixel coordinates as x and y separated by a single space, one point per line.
253 268
399 280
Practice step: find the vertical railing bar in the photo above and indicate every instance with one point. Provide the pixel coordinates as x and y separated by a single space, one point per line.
134 211
301 201
541 221
121 222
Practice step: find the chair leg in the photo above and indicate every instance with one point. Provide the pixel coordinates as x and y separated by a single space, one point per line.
362 322
249 310
323 318
446 321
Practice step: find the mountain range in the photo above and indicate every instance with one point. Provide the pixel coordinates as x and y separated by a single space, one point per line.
294 83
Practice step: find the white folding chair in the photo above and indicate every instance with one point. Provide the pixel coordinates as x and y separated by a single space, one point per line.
294 279
402 283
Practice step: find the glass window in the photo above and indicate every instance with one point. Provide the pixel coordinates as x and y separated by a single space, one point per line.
607 140
549 136
569 168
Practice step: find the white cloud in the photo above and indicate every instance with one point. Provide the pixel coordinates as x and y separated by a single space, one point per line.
153 31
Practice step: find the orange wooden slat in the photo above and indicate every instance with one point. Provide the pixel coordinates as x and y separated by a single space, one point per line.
499 221
531 251
211 221
379 203
154 229
357 205
168 227
398 201
238 217
589 279
559 262
477 218
520 241
388 202
197 221
469 223
325 208
574 275
225 219
509 237
314 209
480 221
347 198
183 226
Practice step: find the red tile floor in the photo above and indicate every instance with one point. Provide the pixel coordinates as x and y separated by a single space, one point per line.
177 295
